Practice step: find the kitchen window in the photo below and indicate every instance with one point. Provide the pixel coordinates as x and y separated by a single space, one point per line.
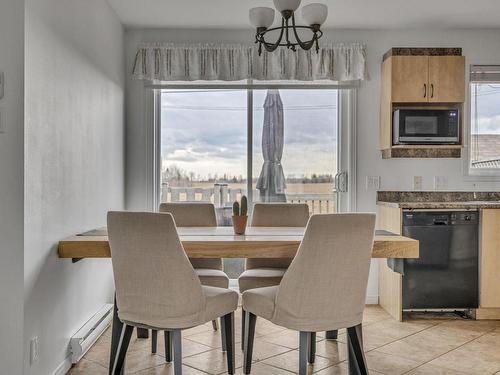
484 135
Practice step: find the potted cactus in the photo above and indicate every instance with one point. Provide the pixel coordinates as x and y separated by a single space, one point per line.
240 215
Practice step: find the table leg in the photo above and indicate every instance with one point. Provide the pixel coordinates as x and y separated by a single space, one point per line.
115 338
142 333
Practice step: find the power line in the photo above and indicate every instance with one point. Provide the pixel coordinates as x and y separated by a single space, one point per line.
212 108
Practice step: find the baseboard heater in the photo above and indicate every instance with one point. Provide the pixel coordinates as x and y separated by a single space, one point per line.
86 336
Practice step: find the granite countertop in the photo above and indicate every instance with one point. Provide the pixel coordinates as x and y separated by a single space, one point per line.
441 205
438 199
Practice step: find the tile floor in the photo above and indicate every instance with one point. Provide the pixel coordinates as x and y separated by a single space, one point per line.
418 346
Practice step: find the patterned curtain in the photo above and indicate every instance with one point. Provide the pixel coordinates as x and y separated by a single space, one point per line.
220 62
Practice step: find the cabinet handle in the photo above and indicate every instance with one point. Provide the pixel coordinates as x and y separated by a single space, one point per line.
432 90
425 90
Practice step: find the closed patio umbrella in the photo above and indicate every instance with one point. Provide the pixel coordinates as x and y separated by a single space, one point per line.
271 182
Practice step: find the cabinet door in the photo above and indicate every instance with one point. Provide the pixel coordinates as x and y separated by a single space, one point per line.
490 258
410 76
446 79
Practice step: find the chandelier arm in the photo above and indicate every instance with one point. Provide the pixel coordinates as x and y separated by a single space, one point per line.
270 47
304 45
287 33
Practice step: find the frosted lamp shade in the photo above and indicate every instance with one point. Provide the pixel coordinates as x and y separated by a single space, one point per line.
282 5
315 13
261 16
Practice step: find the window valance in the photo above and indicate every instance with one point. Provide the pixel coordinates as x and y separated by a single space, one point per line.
220 62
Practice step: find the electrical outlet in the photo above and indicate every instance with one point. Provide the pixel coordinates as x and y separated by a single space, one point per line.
417 182
372 182
34 349
440 182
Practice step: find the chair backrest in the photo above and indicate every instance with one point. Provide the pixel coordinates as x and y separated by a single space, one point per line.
325 286
280 215
195 214
154 280
191 214
277 215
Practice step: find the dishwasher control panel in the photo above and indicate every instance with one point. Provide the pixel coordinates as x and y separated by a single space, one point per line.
428 218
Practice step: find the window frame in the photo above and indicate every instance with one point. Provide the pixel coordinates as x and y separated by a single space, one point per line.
347 99
474 174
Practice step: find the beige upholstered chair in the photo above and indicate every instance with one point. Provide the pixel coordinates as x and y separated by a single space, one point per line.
197 214
260 273
267 272
323 289
157 287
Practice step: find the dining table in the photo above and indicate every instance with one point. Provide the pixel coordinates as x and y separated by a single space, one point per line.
222 242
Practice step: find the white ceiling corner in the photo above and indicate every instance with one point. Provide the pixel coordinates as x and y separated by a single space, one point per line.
343 14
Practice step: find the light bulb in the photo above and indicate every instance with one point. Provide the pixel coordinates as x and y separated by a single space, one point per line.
282 5
315 13
261 16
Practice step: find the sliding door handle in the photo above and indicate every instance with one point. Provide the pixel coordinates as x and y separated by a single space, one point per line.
341 182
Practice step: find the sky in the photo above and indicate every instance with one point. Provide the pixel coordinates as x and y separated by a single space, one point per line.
488 109
205 132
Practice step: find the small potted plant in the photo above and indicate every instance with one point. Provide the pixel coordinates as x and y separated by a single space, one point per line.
240 215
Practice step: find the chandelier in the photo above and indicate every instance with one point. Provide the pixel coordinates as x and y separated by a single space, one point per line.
263 17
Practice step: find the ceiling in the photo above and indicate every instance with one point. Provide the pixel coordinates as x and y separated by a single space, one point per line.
348 14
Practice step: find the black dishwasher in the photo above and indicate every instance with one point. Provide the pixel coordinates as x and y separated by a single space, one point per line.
445 276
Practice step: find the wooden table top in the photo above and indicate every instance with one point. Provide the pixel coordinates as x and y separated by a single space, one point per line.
221 242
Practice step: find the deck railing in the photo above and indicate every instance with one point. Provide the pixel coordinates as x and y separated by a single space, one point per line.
222 196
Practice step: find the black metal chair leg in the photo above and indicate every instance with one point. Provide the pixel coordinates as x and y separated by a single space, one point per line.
223 334
177 340
250 321
154 340
168 346
215 326
115 337
303 346
332 335
243 314
228 327
312 347
125 336
357 360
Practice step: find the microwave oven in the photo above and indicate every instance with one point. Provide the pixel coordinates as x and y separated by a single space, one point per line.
426 126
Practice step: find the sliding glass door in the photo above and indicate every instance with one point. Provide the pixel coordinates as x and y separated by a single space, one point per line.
295 147
277 144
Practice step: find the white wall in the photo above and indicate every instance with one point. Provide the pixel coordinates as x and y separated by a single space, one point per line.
479 47
11 186
74 170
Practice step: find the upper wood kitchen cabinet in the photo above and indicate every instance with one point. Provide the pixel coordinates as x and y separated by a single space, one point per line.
420 77
446 79
409 78
427 79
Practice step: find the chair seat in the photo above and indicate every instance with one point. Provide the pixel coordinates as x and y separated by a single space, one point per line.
219 302
260 278
211 277
261 301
